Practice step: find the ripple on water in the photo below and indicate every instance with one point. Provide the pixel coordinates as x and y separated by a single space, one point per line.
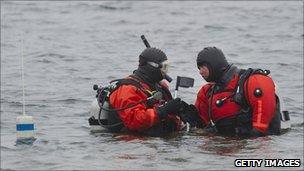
70 101
19 104
111 8
55 55
299 125
5 148
177 159
215 27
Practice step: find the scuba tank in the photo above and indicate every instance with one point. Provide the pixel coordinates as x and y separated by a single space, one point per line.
284 114
94 112
103 116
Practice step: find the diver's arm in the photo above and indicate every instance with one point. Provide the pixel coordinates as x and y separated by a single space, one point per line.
201 105
137 118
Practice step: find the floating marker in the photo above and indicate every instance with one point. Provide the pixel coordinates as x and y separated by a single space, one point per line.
25 127
24 124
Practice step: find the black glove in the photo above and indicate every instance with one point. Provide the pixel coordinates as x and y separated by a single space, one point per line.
190 114
172 106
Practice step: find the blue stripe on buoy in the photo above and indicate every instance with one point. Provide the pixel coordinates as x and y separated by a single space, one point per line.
25 127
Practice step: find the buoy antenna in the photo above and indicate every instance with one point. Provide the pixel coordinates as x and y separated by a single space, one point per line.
22 72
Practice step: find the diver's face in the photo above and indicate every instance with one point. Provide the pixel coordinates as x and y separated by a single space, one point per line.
164 68
204 71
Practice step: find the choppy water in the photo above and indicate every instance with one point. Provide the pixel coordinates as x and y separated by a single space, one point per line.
69 46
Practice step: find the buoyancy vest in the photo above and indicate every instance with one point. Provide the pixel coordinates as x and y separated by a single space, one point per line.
243 118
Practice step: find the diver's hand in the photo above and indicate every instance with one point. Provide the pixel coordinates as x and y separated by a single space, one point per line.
173 106
190 114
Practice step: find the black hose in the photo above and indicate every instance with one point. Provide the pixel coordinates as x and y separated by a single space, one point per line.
210 106
117 110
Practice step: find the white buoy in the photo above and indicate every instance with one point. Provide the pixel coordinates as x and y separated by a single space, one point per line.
24 124
25 127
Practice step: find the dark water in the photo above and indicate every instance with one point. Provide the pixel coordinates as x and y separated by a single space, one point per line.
69 46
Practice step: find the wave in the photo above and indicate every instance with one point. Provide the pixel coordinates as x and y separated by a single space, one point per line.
3 45
50 55
4 148
108 7
215 27
297 125
275 51
18 104
178 13
70 100
32 8
46 61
